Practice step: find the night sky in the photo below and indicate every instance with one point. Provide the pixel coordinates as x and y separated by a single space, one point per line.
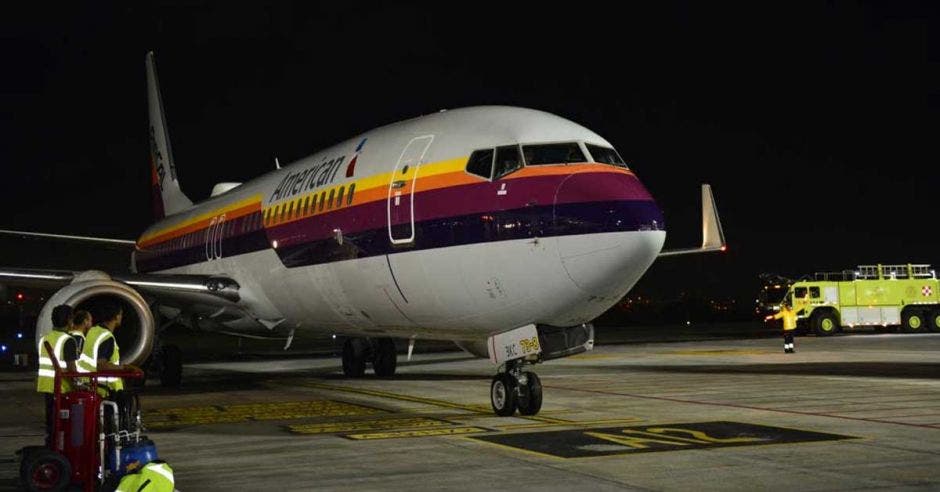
811 122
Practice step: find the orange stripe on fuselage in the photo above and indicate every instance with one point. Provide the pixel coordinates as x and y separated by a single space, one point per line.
376 193
199 225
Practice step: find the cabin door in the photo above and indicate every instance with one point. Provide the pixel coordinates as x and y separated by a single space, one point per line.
401 202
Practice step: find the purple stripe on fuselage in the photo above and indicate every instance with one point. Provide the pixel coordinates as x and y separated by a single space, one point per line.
507 225
540 206
483 197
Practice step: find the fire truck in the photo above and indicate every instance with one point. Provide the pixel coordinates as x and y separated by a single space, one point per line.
882 296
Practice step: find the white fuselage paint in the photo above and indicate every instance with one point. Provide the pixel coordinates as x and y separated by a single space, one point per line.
464 292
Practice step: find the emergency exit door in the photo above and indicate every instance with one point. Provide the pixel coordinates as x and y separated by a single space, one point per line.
401 210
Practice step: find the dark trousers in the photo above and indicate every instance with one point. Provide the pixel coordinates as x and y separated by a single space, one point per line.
788 339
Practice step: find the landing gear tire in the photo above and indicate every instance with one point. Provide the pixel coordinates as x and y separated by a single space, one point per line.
386 358
171 372
912 321
504 394
530 394
354 358
46 470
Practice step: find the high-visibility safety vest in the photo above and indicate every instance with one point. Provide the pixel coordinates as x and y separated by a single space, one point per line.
153 477
89 359
45 381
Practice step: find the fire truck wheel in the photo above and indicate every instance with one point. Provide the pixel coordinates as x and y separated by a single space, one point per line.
46 470
825 324
935 320
912 321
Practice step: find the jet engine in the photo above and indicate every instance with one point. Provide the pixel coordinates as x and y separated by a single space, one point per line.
91 288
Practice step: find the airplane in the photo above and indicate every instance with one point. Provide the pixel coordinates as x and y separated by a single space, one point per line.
503 229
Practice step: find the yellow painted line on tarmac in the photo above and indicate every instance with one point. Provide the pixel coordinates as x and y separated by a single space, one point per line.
367 425
718 352
593 356
450 431
479 409
580 423
221 414
514 449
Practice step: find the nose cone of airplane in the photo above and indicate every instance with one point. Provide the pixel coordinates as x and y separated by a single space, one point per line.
617 231
587 202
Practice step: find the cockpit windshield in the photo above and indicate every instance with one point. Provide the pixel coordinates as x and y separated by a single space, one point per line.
557 153
605 155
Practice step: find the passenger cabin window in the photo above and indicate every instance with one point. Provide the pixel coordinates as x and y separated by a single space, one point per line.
814 292
507 161
339 197
605 155
352 189
329 202
481 163
560 153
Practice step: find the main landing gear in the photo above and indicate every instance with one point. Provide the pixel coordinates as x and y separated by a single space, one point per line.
514 389
378 351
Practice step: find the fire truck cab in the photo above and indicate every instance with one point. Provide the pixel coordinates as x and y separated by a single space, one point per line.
904 296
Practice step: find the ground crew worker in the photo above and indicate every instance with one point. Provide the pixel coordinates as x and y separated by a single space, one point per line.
81 323
156 476
64 348
101 351
789 324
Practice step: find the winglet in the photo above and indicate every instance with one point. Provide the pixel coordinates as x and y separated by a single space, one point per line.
713 237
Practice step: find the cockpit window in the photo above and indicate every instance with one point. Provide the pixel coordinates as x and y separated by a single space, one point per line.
481 163
605 155
560 153
507 161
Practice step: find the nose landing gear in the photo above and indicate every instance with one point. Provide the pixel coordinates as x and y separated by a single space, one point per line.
515 389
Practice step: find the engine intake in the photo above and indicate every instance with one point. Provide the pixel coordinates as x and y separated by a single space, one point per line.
88 290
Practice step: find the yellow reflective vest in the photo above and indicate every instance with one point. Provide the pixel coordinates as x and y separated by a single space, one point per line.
153 477
45 380
789 318
89 359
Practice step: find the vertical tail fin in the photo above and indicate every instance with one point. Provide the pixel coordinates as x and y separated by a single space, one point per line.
168 198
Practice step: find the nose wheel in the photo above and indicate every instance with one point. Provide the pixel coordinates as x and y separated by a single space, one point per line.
515 389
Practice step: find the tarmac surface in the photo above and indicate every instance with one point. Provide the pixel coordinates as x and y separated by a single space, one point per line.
847 412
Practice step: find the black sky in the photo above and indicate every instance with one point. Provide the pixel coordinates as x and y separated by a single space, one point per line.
813 122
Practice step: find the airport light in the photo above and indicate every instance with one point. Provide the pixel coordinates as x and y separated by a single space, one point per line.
3 348
19 336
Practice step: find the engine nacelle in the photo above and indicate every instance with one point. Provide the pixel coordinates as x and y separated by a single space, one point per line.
134 336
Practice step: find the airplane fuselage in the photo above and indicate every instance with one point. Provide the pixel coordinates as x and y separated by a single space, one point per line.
390 234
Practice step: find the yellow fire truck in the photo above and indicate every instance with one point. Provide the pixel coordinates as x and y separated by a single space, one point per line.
905 296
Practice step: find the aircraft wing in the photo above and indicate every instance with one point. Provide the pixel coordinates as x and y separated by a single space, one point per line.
713 238
169 289
101 241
